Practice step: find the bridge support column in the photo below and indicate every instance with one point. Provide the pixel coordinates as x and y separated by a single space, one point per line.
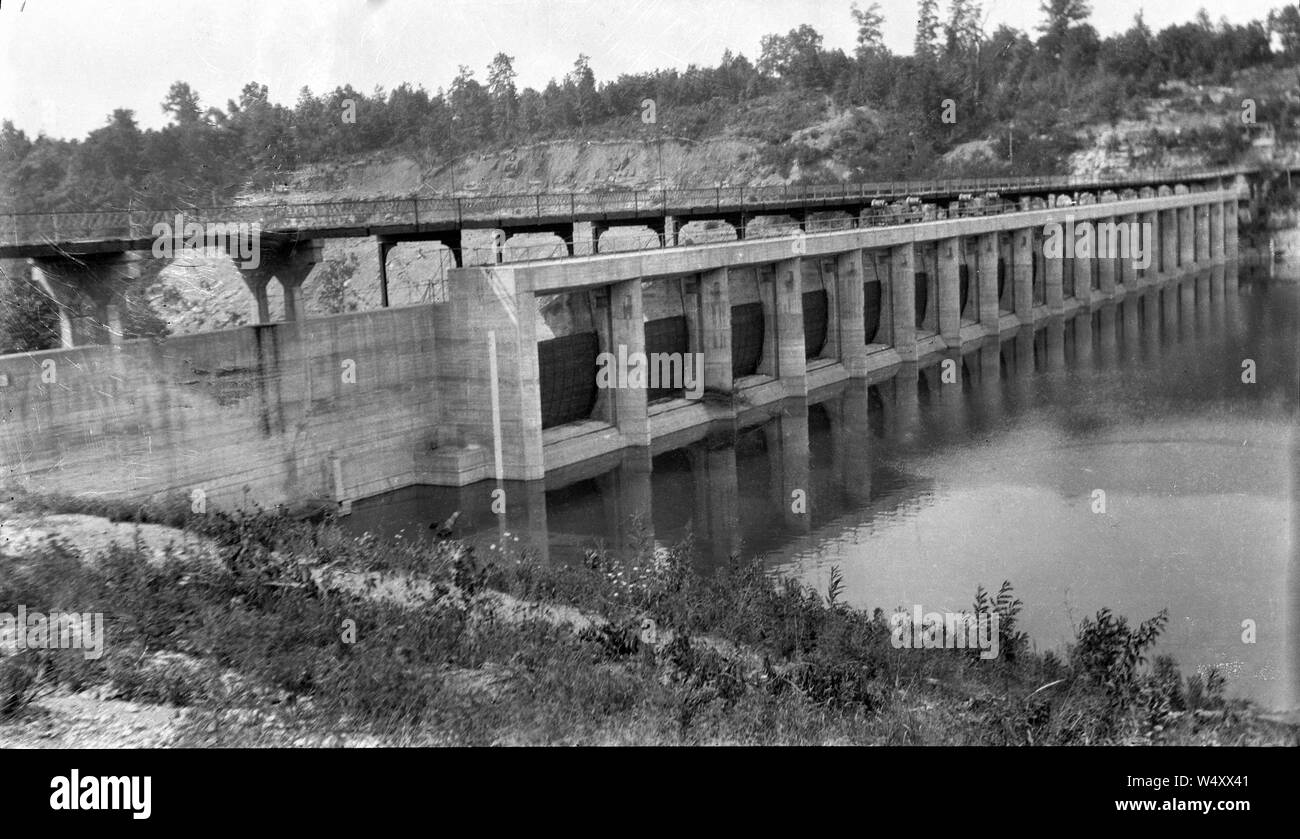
257 281
90 293
1082 267
1202 253
1108 258
627 329
1006 271
715 294
1186 238
1168 242
852 330
950 292
791 362
382 254
1230 230
1216 232
290 265
1139 242
668 238
1152 246
902 299
586 237
987 272
927 263
291 280
1022 274
1054 267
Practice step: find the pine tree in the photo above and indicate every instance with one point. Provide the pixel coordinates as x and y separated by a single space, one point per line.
927 29
505 96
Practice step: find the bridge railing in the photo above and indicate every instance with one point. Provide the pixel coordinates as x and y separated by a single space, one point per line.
322 214
37 228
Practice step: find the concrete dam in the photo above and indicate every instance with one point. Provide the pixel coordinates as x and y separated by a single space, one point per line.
498 381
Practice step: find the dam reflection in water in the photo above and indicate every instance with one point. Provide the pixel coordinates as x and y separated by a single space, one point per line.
920 490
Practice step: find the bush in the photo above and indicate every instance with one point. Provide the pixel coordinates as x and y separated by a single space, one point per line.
256 644
20 680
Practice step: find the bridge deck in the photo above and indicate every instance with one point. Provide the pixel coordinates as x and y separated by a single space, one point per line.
551 276
37 234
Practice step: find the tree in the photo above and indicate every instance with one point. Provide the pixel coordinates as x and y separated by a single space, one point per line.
471 110
927 29
263 131
505 97
796 56
14 144
963 31
1286 23
871 40
529 119
1131 55
107 168
1068 43
310 125
40 181
183 104
736 77
1060 15
581 86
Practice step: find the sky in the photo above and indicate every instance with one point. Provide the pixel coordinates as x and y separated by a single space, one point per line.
66 64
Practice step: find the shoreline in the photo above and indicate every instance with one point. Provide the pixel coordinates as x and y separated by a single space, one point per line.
248 646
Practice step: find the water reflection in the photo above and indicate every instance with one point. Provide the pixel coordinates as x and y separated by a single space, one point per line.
919 488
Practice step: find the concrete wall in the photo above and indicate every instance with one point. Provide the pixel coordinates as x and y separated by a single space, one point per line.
265 409
488 310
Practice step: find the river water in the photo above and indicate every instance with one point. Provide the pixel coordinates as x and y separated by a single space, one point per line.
919 490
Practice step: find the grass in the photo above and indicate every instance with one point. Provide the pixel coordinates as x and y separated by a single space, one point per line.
265 650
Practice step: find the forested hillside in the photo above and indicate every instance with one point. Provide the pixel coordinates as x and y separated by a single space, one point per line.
1019 104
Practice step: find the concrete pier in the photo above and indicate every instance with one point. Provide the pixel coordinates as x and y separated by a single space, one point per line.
1022 274
89 293
903 285
791 348
289 265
